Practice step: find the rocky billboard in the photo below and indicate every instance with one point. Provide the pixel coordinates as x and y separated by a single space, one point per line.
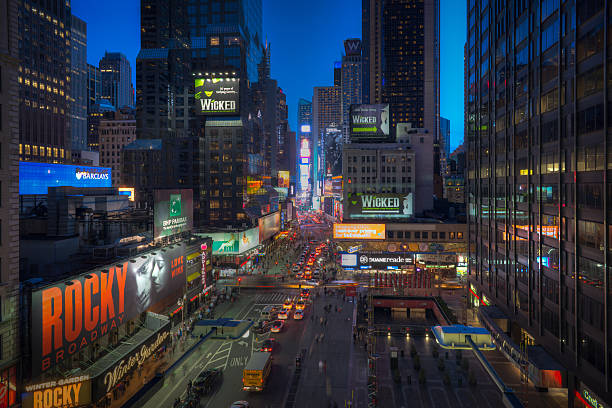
68 316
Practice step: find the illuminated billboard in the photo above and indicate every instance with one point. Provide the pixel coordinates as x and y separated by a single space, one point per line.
233 243
128 191
67 392
359 231
36 178
283 179
173 212
305 128
269 225
379 205
218 96
369 123
69 315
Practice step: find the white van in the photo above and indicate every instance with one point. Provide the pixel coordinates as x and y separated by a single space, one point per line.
269 312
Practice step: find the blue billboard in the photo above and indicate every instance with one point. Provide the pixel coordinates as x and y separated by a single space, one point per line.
36 178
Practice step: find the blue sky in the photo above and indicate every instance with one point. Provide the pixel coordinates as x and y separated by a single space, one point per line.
306 38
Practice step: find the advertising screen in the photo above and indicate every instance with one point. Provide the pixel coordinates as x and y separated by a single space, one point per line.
305 128
217 96
35 178
348 260
173 212
283 179
359 231
68 316
268 226
233 243
369 123
381 261
128 191
67 392
379 205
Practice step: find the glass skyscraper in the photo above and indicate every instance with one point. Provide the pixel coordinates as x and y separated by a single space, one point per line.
539 196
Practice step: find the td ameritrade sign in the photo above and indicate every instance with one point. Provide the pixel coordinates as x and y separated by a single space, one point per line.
217 96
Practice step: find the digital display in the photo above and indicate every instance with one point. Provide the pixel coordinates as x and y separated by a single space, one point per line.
233 243
68 316
305 128
369 123
359 231
36 178
283 179
268 226
217 96
173 212
380 205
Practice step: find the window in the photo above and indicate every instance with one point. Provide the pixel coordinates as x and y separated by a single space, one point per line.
442 235
417 234
434 235
425 235
214 41
407 235
590 82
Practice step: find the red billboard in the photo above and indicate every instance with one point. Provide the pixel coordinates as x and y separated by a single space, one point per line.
68 316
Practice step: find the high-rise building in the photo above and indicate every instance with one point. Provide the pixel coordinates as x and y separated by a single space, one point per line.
444 142
351 81
304 143
538 150
44 85
401 59
78 84
116 79
9 205
326 114
304 113
115 132
93 85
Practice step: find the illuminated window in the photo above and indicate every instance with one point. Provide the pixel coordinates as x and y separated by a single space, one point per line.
55 151
214 40
27 149
35 150
20 148
42 151
48 152
61 152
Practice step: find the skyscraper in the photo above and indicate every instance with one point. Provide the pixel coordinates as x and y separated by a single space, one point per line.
44 83
116 79
401 59
538 149
326 115
444 143
9 205
78 84
351 80
93 84
304 113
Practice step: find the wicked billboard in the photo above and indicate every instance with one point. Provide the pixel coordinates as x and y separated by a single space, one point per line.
369 123
68 316
379 205
217 95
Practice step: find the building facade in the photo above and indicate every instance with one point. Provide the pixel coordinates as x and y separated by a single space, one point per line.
444 142
114 133
116 80
351 81
9 206
401 59
79 84
44 86
538 150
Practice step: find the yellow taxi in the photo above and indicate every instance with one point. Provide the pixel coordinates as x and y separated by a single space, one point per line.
288 305
300 305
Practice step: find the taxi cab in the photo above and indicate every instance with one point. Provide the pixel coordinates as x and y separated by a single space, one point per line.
288 305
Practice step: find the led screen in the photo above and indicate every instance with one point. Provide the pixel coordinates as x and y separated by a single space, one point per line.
36 178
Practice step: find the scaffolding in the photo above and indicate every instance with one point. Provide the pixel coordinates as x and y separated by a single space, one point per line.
372 380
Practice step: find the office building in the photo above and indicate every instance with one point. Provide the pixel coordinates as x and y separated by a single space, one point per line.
444 142
304 144
401 59
9 205
537 154
351 81
304 113
326 109
116 79
44 86
78 84
93 85
114 133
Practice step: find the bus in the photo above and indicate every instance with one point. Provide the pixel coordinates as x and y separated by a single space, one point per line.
256 372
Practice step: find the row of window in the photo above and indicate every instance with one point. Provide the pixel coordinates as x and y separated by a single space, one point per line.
423 235
42 151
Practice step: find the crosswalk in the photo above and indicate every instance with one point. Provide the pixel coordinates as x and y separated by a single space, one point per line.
273 298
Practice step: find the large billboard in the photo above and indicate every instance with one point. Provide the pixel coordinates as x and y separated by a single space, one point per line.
359 231
173 212
233 243
385 260
369 123
69 315
269 225
283 179
379 205
36 178
217 96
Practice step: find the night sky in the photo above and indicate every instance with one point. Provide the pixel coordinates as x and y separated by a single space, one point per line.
306 38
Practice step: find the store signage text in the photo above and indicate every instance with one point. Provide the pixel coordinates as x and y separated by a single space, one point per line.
127 364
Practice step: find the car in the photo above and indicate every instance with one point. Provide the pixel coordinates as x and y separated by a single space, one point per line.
282 315
300 305
312 282
288 305
277 326
239 404
299 275
206 381
298 315
305 293
268 345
